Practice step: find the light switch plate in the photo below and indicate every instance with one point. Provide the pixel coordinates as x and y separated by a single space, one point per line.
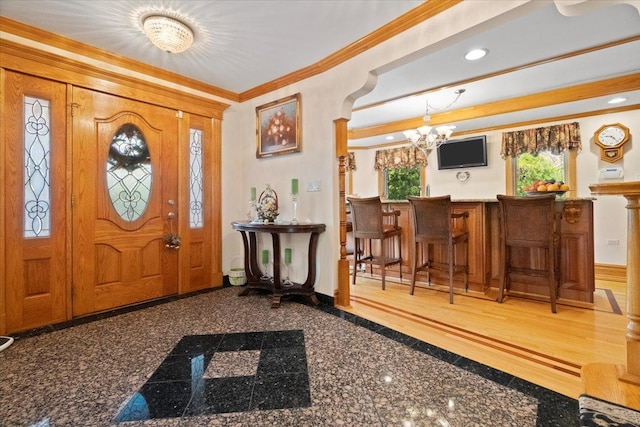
313 186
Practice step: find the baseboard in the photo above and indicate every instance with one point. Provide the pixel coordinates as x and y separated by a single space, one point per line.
611 272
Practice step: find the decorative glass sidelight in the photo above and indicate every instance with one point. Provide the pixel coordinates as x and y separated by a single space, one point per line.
195 179
37 158
129 176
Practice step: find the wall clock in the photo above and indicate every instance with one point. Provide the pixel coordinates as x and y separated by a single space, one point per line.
610 139
463 176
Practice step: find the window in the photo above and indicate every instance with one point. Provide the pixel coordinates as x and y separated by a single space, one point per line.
544 166
401 182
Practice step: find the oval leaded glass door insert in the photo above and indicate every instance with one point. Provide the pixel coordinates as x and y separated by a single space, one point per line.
129 173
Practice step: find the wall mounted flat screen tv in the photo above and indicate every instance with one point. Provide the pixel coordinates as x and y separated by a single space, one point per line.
463 153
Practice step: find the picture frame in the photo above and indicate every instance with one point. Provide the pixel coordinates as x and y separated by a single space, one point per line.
278 127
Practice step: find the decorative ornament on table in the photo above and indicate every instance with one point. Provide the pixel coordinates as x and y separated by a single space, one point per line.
267 205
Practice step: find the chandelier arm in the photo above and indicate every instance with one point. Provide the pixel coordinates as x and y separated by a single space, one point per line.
423 138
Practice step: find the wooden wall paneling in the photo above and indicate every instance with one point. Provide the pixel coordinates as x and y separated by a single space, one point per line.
25 59
215 191
35 269
196 254
3 202
575 257
577 273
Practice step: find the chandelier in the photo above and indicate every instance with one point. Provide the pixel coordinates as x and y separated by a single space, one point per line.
423 138
168 33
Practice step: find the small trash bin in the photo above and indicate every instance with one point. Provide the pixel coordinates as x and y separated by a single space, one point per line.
236 272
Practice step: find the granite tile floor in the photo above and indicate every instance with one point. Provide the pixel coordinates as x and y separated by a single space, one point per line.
216 359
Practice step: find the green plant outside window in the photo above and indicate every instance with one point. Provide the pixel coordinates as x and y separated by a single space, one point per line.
402 182
542 166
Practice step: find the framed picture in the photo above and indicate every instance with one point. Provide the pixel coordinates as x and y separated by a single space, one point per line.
278 127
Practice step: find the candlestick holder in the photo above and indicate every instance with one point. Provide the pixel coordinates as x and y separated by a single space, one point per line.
294 201
287 281
265 272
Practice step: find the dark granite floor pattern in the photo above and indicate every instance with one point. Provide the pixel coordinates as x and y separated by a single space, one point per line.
216 359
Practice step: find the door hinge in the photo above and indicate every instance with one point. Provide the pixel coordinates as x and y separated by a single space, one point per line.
179 114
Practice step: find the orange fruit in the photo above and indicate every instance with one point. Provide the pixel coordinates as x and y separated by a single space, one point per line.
564 187
541 187
553 187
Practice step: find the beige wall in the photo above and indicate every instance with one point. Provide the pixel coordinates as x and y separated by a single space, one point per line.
329 96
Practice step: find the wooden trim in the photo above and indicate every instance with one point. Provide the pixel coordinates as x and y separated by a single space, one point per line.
527 123
611 86
413 17
32 61
3 203
509 176
69 206
611 272
216 197
55 40
572 173
506 71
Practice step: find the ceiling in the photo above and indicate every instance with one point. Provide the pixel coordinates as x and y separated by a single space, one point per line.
242 44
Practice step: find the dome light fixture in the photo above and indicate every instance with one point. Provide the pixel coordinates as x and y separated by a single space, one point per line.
475 54
167 33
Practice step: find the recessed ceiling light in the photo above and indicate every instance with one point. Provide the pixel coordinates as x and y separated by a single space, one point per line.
476 54
617 100
389 138
452 127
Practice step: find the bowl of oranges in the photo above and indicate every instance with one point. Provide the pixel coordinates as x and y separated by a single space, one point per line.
541 187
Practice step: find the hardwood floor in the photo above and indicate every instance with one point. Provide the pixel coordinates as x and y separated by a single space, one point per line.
520 336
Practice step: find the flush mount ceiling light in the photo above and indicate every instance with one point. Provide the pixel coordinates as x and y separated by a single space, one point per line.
168 33
476 54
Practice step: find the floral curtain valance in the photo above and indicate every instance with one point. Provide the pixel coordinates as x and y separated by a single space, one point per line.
350 161
557 138
397 157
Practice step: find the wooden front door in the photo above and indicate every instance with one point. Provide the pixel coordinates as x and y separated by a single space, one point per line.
124 201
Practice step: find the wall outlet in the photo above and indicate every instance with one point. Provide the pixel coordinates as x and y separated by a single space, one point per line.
613 242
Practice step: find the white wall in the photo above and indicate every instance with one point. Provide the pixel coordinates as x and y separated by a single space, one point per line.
325 98
365 177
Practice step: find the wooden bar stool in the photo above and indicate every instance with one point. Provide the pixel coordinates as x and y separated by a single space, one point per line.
433 223
528 222
368 224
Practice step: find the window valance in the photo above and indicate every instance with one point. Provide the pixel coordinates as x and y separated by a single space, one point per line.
397 157
556 139
350 163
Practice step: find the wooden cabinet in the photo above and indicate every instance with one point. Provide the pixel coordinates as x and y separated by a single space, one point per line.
577 276
575 255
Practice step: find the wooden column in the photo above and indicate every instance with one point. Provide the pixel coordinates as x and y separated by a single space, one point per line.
342 296
631 191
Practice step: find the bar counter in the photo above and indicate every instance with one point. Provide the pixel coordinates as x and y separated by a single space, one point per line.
575 254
